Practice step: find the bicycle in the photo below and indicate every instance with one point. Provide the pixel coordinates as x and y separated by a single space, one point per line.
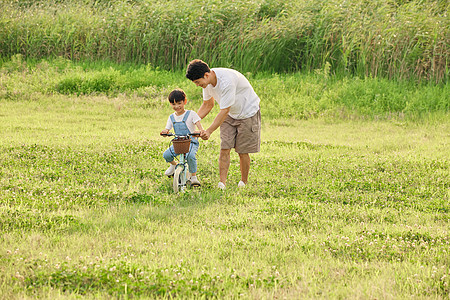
181 145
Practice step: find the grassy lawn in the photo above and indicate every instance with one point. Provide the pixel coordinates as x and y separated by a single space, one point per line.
335 208
349 197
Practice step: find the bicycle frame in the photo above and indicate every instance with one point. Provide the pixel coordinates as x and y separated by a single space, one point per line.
181 169
180 179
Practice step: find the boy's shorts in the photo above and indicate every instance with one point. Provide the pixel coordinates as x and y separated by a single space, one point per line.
243 135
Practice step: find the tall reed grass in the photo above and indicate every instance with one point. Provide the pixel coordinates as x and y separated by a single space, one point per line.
393 38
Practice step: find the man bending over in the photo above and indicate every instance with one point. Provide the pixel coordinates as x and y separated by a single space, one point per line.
239 117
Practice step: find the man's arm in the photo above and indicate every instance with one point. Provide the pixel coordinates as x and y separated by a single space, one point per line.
218 120
205 108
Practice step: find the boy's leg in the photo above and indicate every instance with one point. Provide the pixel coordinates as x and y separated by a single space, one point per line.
169 157
224 164
192 162
192 158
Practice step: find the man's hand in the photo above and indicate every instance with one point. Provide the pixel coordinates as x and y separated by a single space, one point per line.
204 134
218 120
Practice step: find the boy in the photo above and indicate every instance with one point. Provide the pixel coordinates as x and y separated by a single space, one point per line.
183 122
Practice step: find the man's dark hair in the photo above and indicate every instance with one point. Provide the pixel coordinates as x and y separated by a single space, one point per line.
196 69
177 95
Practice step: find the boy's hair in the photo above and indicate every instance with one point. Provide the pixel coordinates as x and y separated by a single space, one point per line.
196 69
177 95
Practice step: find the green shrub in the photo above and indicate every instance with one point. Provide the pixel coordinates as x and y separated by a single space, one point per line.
99 83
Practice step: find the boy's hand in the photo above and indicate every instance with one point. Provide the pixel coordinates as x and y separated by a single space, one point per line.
165 131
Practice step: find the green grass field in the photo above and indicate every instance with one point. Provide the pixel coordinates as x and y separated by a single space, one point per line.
349 197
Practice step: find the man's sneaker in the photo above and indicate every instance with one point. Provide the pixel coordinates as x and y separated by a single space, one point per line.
194 181
221 186
241 184
169 172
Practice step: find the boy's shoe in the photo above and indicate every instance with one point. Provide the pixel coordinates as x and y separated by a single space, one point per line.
194 181
221 186
169 172
241 184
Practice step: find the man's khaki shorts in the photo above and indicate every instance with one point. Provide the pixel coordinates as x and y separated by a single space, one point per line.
243 135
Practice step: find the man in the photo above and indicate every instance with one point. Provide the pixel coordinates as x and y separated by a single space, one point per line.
239 117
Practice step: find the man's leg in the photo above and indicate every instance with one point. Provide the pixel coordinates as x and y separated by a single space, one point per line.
224 164
244 159
248 141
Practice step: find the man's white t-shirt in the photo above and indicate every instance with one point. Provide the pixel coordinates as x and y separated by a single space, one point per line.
190 122
233 90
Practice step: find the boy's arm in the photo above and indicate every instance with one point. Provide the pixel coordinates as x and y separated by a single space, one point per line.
199 125
168 126
165 131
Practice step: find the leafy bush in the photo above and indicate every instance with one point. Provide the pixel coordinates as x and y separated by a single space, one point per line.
99 83
284 96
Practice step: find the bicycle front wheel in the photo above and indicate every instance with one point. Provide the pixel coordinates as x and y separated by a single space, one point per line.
179 179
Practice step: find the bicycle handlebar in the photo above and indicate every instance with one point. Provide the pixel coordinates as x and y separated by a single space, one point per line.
171 134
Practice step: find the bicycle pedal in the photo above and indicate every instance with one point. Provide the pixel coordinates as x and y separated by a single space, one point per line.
194 184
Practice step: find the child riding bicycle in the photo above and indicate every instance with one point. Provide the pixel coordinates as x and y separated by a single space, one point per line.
183 122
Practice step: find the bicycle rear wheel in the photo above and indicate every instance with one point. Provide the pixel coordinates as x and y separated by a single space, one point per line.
179 179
